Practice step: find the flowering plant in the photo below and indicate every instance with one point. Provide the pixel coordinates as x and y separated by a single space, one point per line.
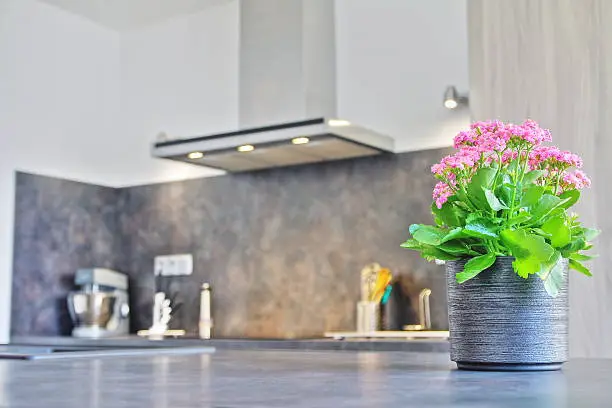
504 193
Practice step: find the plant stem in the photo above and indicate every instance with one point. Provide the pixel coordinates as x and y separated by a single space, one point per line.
557 182
499 168
518 182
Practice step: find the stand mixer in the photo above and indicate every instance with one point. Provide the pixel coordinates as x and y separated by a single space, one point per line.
100 308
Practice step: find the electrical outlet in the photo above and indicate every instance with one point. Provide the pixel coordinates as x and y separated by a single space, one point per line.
174 265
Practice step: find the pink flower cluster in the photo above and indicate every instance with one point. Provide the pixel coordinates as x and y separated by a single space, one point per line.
464 158
576 180
486 143
544 156
484 139
495 135
441 193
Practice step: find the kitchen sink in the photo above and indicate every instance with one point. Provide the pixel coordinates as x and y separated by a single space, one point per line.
60 352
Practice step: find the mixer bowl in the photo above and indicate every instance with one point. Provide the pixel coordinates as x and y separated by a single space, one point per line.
91 309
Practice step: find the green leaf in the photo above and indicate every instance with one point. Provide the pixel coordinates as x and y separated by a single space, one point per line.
481 228
462 197
474 266
519 219
541 232
475 189
553 274
530 251
472 217
411 244
532 176
493 201
558 230
581 257
432 253
449 214
531 196
591 233
505 193
579 267
455 233
575 245
572 197
545 205
456 248
428 252
429 235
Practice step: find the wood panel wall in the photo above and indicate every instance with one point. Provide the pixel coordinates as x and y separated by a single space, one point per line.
551 60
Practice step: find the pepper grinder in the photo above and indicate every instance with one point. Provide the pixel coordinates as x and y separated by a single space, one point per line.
206 323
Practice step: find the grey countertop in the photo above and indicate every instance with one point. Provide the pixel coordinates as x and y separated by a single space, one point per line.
266 378
433 345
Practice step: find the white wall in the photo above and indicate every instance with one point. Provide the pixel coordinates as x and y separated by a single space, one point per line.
180 77
81 102
394 61
58 106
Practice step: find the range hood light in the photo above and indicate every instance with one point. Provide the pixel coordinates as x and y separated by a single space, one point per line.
195 155
246 148
338 122
300 140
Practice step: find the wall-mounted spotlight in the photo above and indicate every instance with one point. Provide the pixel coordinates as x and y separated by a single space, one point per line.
453 99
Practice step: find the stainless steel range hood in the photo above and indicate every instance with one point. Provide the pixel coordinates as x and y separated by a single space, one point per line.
287 96
287 144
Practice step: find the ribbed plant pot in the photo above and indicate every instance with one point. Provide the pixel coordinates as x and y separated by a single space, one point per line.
501 322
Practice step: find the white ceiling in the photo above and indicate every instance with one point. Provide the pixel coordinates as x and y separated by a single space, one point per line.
128 14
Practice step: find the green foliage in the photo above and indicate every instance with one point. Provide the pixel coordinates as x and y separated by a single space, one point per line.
579 267
529 250
558 231
475 265
552 274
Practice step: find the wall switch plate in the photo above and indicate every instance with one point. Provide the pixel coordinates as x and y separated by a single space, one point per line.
174 265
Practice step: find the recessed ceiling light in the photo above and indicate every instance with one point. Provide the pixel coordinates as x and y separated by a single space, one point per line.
338 122
300 140
195 155
246 148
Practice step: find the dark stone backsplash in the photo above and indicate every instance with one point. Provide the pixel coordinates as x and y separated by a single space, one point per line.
60 226
282 248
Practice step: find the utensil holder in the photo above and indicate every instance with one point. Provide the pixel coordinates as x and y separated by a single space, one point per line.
368 317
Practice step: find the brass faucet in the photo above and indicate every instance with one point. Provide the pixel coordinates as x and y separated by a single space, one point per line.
424 313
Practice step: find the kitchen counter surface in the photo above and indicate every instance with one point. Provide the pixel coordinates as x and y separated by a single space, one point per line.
256 378
421 345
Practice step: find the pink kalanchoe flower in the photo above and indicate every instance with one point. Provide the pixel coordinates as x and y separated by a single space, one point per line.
576 179
488 143
441 193
508 156
489 126
438 169
570 159
531 132
543 156
464 138
466 157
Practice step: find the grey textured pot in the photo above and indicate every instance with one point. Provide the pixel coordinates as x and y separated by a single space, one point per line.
500 321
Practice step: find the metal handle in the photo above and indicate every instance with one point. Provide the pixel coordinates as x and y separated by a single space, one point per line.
424 310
